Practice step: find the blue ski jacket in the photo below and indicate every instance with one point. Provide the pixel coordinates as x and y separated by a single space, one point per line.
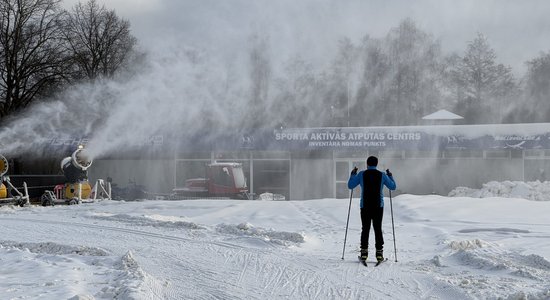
357 179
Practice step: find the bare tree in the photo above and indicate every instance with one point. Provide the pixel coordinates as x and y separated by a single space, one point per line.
31 54
99 40
341 76
538 77
415 60
260 78
484 83
477 71
401 76
535 106
295 90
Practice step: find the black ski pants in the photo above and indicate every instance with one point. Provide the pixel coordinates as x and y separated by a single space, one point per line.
373 215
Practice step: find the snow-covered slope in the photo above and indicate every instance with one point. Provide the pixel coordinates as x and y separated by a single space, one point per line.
447 248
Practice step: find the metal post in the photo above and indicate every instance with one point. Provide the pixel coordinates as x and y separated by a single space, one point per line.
251 174
347 92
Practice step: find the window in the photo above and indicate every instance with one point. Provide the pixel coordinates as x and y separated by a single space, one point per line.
391 154
188 169
342 190
422 154
497 154
238 174
271 155
221 176
272 176
463 153
342 171
534 153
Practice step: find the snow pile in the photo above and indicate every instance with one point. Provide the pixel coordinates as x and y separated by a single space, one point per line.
467 244
8 208
271 197
533 190
470 253
480 260
130 282
82 297
531 296
64 271
537 260
247 229
53 248
488 269
145 220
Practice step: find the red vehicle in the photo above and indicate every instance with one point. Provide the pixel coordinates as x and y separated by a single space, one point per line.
223 180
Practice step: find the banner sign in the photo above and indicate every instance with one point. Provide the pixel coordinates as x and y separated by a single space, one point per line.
400 139
345 138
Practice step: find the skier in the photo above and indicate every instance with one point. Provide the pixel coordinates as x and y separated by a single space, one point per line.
372 183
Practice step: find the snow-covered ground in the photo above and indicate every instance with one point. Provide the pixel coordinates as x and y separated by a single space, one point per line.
447 248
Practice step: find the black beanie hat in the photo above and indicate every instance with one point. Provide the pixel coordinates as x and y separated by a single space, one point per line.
372 161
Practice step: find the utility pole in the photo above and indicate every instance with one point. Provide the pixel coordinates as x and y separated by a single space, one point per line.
348 99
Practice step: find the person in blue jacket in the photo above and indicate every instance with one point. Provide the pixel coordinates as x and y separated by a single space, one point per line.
372 183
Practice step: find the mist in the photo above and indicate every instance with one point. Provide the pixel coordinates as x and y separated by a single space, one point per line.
517 29
165 95
209 66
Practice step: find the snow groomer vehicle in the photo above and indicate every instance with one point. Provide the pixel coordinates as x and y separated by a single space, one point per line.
222 180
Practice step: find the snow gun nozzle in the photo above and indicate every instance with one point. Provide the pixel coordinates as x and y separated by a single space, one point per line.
3 165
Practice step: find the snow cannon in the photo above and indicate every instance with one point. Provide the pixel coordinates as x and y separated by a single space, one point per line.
9 194
75 169
77 189
3 170
3 165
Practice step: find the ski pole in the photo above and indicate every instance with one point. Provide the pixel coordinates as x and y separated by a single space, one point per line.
393 229
347 223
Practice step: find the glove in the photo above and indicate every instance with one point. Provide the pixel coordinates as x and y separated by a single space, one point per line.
389 173
354 171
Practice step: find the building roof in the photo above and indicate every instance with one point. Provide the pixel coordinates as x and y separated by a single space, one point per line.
442 115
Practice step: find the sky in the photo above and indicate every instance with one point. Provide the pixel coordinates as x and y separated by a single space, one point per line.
517 30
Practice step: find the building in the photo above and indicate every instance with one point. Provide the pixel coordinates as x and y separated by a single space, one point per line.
312 163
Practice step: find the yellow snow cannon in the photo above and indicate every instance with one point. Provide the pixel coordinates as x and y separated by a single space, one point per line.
75 169
3 170
3 191
77 189
81 190
14 196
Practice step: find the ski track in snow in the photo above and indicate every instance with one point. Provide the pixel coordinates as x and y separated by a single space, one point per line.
169 257
484 269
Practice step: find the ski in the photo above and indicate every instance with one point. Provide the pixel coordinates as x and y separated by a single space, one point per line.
364 262
380 262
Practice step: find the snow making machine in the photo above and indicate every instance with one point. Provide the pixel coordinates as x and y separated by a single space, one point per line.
9 194
77 188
